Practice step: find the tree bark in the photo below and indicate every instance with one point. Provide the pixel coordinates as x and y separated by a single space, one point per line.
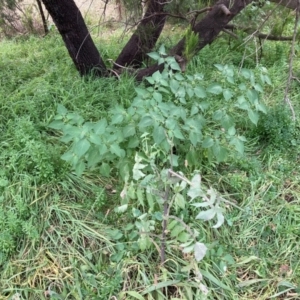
291 4
76 36
145 37
87 59
212 24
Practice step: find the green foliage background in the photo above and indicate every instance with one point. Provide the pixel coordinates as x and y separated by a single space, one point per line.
66 235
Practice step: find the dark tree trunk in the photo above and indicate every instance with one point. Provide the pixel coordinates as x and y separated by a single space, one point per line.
144 38
87 59
208 29
213 23
76 36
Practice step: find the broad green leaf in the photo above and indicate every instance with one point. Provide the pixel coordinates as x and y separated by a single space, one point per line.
81 147
102 149
180 201
219 67
95 139
68 156
231 131
66 138
137 174
144 243
246 73
188 249
177 230
181 94
195 189
141 92
117 119
145 121
238 144
100 126
242 87
267 79
151 81
220 152
207 142
242 103
159 134
79 168
190 92
215 88
178 134
75 119
179 77
133 142
218 115
227 94
105 169
162 50
61 110
171 123
93 157
175 66
115 148
253 116
174 85
156 76
261 107
194 137
183 237
194 110
154 55
121 209
129 130
258 87
206 215
252 95
200 92
220 218
229 259
172 224
57 124
73 131
200 251
157 96
227 122
230 79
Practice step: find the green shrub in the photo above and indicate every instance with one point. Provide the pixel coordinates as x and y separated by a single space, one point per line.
277 129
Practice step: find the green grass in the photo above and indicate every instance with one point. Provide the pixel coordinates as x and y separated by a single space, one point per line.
55 228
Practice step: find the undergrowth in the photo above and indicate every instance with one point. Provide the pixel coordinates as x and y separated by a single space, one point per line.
61 235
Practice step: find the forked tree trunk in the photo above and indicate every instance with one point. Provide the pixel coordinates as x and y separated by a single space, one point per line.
207 29
145 37
213 23
76 36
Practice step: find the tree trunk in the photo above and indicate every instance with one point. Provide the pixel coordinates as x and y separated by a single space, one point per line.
76 36
144 38
212 24
207 29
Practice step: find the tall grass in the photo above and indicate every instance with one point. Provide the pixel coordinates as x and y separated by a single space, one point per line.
55 227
